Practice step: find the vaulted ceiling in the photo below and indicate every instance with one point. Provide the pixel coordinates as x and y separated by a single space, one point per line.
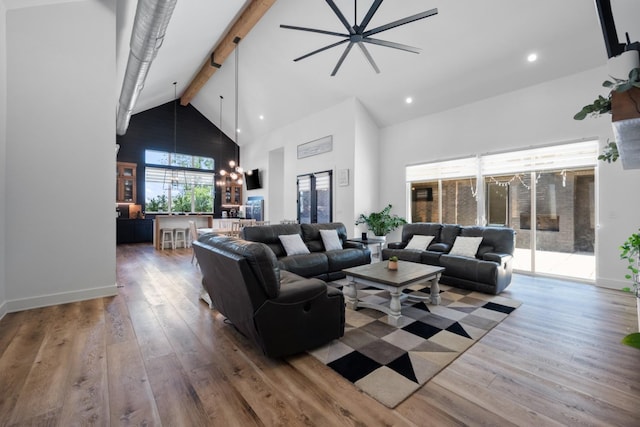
471 50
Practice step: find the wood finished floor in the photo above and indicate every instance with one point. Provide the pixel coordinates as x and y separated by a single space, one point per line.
155 355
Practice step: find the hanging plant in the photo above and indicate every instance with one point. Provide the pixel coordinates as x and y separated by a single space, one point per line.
610 152
602 105
621 107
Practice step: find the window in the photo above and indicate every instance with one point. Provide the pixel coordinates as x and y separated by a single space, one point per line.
178 182
315 198
444 191
545 194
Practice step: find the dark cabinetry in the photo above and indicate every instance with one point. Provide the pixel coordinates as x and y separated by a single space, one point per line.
134 231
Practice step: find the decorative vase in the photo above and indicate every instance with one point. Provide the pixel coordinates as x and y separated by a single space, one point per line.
393 265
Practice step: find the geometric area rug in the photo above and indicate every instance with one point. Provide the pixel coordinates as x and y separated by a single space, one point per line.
390 363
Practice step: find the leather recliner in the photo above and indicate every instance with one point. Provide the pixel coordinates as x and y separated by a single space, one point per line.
319 263
281 312
490 271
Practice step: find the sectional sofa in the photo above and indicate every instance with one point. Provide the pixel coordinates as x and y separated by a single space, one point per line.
481 259
317 262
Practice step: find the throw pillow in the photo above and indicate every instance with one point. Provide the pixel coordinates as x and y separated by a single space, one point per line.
419 242
466 246
293 244
330 240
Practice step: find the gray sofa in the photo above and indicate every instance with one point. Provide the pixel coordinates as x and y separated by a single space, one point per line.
489 271
280 312
325 265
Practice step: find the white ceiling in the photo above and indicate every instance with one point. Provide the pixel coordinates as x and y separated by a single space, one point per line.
471 50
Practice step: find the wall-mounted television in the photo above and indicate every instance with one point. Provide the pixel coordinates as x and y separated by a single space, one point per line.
252 179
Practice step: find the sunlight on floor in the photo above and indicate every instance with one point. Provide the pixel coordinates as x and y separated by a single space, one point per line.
579 266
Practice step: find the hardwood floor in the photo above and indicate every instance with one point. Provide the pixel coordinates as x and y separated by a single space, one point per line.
156 355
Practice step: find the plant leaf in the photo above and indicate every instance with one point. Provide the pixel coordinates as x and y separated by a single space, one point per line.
632 340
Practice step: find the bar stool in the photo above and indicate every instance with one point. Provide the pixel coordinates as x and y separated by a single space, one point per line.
179 236
167 237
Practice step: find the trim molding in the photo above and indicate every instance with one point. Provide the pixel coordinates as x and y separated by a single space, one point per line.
3 309
61 298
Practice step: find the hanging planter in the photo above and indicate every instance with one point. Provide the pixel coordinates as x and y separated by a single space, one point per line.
623 102
625 120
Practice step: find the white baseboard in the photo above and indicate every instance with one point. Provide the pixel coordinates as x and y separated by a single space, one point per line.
617 284
61 298
3 309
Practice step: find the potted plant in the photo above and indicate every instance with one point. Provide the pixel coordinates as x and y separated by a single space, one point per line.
393 263
630 250
623 103
381 223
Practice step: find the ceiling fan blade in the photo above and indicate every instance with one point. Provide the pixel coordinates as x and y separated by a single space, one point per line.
313 30
364 50
372 10
341 17
341 60
322 49
392 44
399 22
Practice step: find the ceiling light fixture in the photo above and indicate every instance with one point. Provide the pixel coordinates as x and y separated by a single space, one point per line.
532 57
236 171
409 100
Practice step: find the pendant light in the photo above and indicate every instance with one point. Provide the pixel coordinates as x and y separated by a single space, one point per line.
173 181
235 173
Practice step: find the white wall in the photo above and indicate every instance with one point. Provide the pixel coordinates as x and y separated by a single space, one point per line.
3 147
60 159
273 179
365 175
341 121
538 115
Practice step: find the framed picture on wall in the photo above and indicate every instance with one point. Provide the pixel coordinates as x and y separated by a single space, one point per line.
315 147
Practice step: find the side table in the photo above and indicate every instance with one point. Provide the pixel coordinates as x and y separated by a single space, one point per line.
371 241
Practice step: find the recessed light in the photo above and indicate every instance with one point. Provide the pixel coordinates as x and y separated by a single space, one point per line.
532 57
408 100
261 117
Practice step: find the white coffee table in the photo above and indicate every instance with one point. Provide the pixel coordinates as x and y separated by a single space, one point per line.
377 275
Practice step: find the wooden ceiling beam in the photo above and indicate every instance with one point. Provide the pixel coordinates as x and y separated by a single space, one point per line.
240 28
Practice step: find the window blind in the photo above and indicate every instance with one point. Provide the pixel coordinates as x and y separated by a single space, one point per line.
160 175
567 156
459 168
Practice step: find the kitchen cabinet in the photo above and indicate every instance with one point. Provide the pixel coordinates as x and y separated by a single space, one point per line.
134 231
126 182
232 194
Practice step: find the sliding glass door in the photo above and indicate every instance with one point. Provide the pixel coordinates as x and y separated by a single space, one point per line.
565 223
547 195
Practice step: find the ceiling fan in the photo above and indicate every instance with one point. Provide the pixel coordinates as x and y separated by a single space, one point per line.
358 34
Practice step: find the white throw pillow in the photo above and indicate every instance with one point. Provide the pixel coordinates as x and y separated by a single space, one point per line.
419 242
293 244
466 246
330 240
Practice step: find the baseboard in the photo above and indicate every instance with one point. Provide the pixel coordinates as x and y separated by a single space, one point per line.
605 282
61 298
3 309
